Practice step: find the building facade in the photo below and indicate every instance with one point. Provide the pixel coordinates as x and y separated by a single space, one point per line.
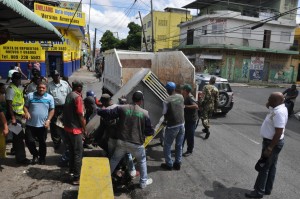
166 30
61 56
246 41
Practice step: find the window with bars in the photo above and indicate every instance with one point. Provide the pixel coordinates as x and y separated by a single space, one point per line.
217 29
162 22
285 36
190 37
204 30
161 37
246 33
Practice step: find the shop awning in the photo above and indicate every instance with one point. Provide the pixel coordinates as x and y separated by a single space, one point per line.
211 56
23 24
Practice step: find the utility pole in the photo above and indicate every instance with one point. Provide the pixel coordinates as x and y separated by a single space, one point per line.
144 35
152 26
90 11
94 51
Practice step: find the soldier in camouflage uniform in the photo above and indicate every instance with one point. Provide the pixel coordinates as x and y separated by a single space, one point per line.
209 104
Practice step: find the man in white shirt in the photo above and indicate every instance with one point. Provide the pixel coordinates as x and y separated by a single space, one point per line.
59 89
272 131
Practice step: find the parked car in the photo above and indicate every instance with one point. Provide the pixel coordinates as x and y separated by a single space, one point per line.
225 91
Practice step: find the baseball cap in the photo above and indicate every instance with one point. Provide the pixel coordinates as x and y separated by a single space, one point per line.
187 87
16 75
54 73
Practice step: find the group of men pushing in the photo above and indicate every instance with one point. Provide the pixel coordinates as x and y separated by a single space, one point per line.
45 104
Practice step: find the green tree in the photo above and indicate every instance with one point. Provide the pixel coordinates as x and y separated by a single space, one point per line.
134 36
131 42
109 41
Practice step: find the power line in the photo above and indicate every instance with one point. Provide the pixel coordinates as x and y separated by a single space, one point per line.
95 4
72 18
241 26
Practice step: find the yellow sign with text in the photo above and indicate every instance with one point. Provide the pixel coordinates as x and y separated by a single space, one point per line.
21 51
59 15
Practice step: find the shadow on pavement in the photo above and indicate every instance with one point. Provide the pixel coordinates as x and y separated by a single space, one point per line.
70 194
220 191
59 175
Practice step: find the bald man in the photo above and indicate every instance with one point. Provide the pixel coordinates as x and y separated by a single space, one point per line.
272 132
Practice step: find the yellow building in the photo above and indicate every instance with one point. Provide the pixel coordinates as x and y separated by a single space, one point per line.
61 56
166 30
296 58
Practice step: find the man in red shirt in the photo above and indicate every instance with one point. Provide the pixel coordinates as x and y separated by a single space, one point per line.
74 125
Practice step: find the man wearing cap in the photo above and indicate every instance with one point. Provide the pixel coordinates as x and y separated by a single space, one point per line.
173 111
133 124
210 102
59 89
190 118
15 103
74 125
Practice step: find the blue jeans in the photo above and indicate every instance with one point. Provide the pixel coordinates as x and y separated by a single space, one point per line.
112 143
138 151
265 179
171 134
189 135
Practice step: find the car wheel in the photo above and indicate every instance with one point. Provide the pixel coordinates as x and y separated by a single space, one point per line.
223 99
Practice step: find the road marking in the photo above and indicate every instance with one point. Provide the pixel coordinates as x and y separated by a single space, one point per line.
240 134
248 138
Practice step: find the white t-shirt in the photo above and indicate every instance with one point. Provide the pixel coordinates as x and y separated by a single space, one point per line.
277 118
10 72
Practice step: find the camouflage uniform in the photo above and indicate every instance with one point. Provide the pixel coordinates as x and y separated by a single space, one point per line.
209 103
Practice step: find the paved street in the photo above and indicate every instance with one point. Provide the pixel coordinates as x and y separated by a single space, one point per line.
221 167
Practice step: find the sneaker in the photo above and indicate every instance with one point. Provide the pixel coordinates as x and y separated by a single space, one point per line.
207 135
75 182
166 167
148 182
34 160
24 162
176 166
187 154
134 174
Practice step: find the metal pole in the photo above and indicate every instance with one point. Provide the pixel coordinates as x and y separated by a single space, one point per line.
90 11
152 26
94 52
144 35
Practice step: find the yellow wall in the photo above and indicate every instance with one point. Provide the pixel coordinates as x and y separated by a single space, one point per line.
166 32
32 50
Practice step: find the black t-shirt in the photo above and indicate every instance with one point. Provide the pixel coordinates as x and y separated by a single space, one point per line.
190 114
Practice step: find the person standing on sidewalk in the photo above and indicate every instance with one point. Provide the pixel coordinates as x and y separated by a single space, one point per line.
173 111
190 118
133 124
209 102
59 89
39 110
74 125
272 132
290 97
3 133
15 110
29 69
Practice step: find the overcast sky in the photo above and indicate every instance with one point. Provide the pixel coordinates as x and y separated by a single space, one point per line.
114 15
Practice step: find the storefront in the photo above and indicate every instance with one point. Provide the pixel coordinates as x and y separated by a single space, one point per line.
62 56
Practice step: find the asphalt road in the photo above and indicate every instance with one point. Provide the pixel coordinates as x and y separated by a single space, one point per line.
221 167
